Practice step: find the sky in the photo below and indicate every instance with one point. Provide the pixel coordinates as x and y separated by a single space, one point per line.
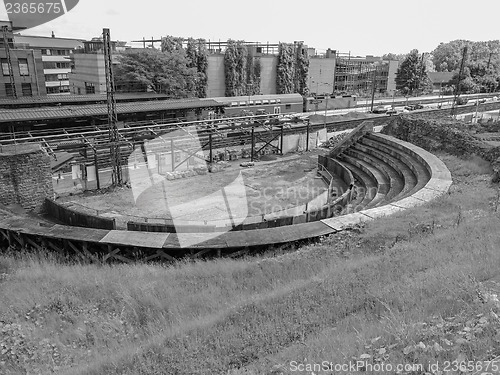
361 27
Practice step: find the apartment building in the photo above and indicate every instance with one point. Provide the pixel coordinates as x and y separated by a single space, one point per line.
56 57
22 68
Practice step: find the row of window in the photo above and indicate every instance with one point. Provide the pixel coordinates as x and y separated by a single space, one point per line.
23 67
56 52
255 102
58 89
56 77
25 90
56 65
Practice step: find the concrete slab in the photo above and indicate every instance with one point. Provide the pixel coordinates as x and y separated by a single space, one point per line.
407 202
141 239
341 222
427 194
441 185
382 211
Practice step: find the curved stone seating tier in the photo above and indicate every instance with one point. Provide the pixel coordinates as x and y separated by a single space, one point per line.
401 175
405 173
364 184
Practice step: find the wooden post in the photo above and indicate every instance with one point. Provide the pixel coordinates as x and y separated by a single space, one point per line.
281 141
210 155
307 136
252 144
96 170
172 154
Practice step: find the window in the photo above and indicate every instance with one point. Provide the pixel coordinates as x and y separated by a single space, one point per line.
23 67
26 89
277 110
5 67
8 90
49 65
62 77
288 106
89 88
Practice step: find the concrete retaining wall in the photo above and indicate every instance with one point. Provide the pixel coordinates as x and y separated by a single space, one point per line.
75 218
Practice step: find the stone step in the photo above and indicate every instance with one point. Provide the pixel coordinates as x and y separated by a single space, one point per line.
418 169
405 173
396 183
381 183
364 184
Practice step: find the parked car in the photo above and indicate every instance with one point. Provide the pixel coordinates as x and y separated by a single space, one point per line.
379 109
391 111
413 107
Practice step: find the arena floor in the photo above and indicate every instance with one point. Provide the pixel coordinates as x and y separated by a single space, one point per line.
270 186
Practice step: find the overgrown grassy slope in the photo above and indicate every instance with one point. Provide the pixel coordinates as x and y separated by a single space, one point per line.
399 290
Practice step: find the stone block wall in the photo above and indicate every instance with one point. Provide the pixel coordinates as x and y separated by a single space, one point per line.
25 176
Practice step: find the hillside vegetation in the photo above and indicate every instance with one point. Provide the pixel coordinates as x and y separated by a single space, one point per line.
406 289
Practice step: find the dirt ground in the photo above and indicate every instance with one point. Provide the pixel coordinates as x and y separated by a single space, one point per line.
266 187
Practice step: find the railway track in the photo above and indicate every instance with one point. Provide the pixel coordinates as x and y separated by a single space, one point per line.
93 145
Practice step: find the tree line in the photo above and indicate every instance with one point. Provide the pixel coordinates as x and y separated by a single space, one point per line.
480 73
179 68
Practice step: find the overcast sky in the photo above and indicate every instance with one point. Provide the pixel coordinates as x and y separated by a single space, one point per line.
363 27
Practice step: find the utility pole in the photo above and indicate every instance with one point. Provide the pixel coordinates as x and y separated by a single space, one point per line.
114 139
374 85
422 69
5 30
457 88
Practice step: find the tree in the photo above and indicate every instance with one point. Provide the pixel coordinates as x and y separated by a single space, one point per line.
302 69
447 56
153 70
284 70
411 76
235 68
394 56
482 61
196 54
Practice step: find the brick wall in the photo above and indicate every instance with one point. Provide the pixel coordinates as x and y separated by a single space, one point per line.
25 176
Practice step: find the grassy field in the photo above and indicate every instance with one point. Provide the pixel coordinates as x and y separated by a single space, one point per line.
404 290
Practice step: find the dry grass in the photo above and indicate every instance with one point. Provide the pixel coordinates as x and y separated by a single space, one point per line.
324 302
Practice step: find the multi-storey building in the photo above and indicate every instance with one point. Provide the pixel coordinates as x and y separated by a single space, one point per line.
56 56
321 76
88 75
22 68
363 75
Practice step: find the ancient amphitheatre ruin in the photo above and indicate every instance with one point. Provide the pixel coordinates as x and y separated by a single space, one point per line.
365 176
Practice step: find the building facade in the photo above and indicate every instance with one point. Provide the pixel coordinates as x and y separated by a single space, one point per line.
22 68
364 75
88 74
321 75
56 57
